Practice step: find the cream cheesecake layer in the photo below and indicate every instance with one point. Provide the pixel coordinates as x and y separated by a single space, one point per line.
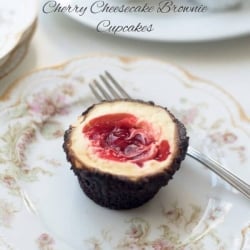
162 124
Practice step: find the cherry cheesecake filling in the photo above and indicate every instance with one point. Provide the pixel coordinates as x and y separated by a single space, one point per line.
124 151
123 137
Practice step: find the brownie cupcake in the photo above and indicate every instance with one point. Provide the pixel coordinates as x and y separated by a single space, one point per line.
124 151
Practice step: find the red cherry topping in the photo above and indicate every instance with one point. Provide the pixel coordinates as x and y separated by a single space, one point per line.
120 137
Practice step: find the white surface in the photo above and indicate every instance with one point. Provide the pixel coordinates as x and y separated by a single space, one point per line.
170 26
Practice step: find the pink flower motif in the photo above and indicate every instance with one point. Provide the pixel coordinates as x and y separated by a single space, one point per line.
175 215
9 182
216 138
45 242
7 211
229 137
189 116
47 104
135 232
223 138
162 244
25 139
217 213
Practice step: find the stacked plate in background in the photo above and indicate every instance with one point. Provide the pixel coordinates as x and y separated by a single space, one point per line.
17 25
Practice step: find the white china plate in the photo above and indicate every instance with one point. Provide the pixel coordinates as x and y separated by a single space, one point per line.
42 206
172 26
16 17
16 56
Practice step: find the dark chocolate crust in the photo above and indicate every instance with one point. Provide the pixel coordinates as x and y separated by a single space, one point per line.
118 192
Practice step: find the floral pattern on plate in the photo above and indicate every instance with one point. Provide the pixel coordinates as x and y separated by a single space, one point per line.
38 188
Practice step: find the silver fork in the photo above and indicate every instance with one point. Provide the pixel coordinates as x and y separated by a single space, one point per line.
113 90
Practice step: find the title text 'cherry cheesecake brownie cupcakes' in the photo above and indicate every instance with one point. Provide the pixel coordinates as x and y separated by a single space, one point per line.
124 151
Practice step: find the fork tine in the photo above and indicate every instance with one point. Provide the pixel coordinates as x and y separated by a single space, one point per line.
117 85
109 87
95 92
102 90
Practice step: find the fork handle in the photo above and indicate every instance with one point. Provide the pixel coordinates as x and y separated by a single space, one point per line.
216 167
